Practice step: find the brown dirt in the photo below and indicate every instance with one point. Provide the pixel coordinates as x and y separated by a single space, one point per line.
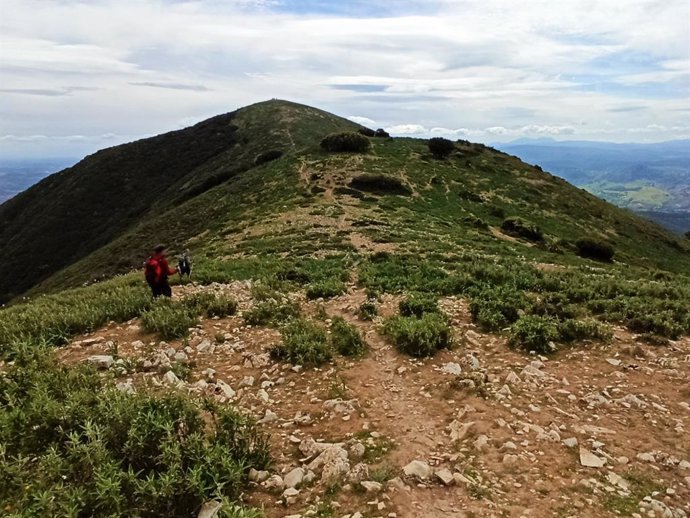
585 392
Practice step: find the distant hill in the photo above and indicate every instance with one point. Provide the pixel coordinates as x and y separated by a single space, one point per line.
255 182
653 179
17 175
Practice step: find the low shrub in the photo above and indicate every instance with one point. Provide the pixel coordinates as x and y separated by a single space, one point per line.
367 132
440 147
571 330
304 343
494 309
381 133
519 227
594 249
534 333
346 338
652 339
271 312
378 183
419 337
417 304
211 304
325 289
349 142
268 156
70 445
168 319
475 222
367 311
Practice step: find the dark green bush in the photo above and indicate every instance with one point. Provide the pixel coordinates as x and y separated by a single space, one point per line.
594 249
211 304
367 311
534 333
416 304
440 147
348 142
168 319
519 227
367 132
571 330
378 183
72 446
381 133
325 289
346 339
271 312
419 337
304 343
268 156
494 309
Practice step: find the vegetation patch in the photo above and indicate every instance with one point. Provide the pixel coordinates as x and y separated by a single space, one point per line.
211 304
367 310
594 249
534 333
346 338
515 226
271 313
304 343
417 304
325 289
419 337
169 320
379 183
440 147
348 142
73 446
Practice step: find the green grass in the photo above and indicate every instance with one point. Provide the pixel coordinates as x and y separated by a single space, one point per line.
70 445
271 313
169 320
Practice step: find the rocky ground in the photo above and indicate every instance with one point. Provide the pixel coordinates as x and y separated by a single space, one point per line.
479 431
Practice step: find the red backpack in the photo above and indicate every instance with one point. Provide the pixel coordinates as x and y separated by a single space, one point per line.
152 271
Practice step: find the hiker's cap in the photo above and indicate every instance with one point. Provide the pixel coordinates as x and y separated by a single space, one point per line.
160 248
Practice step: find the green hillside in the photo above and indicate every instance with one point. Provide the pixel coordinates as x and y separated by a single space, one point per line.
355 261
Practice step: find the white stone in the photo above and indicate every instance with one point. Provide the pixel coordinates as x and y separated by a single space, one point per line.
101 361
209 509
274 483
371 486
590 460
268 417
452 368
445 476
294 478
570 442
418 469
225 389
171 378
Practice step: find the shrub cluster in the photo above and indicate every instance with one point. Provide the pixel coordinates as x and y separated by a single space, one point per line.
379 183
348 142
211 304
268 156
495 308
515 226
594 249
271 312
417 304
419 337
72 446
534 333
169 320
367 310
325 289
304 343
381 133
367 132
346 339
440 147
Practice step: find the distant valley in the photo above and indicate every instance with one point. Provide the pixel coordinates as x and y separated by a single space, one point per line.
18 175
651 179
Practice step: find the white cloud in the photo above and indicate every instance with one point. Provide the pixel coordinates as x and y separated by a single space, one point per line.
364 121
589 69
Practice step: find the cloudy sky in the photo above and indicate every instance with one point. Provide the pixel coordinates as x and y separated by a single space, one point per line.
76 76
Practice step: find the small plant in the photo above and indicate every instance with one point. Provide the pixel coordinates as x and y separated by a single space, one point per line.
652 339
519 227
367 311
367 132
378 183
325 289
496 308
419 337
570 330
381 133
169 320
418 304
268 156
594 249
349 142
221 306
440 147
304 343
346 339
534 333
271 312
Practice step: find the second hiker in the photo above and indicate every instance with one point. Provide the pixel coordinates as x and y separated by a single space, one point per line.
157 270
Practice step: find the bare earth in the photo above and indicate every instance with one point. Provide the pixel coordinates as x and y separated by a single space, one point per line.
512 430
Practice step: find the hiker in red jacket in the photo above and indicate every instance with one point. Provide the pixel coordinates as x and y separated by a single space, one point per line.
157 271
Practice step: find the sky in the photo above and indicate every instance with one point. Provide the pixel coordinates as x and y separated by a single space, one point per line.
78 76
